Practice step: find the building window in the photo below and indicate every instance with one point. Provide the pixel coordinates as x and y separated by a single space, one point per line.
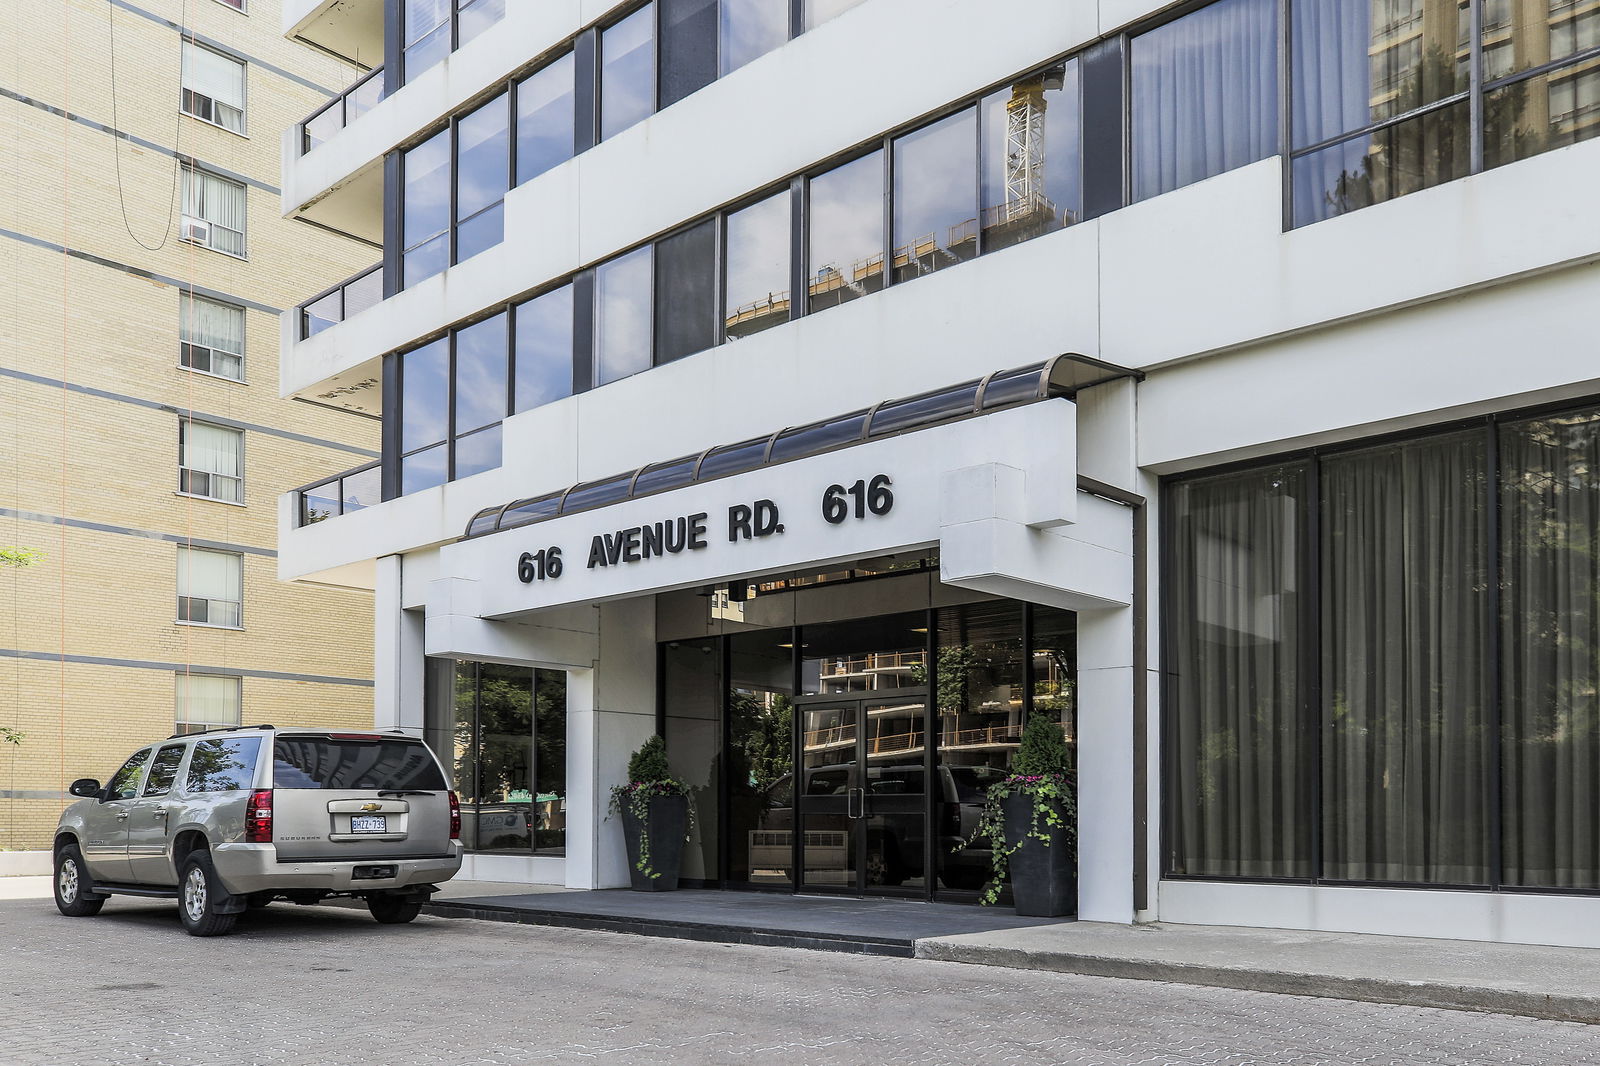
749 29
542 369
936 196
483 174
425 219
627 72
213 211
623 317
503 732
425 417
210 587
756 267
237 5
211 336
432 29
547 118
1032 163
1337 703
479 396
686 292
1204 95
819 11
454 393
211 461
213 87
208 701
846 232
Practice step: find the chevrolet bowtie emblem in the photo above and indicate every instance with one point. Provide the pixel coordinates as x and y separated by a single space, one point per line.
372 806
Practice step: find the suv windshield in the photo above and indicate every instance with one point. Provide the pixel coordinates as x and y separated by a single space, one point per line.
972 782
326 762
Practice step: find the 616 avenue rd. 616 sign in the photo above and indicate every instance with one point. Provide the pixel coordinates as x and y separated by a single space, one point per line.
665 537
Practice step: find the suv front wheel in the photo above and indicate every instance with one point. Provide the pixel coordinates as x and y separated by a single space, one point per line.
197 898
72 881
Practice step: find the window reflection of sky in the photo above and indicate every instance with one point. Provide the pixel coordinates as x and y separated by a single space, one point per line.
484 150
628 72
935 192
424 387
481 374
750 29
545 119
622 327
544 348
847 217
758 261
427 178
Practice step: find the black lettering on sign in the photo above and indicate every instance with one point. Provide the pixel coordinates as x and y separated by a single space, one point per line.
597 552
767 519
697 530
739 516
630 545
675 543
652 540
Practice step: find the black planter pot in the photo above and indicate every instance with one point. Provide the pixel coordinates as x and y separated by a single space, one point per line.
1044 878
666 822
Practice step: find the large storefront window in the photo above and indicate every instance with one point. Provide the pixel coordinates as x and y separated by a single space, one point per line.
1339 706
502 730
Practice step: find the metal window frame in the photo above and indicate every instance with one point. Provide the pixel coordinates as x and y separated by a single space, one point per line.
184 422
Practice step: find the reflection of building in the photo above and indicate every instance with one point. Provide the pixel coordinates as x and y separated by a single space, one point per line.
1232 477
144 440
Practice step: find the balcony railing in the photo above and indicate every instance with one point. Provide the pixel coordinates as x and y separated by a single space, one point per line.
342 110
344 300
343 493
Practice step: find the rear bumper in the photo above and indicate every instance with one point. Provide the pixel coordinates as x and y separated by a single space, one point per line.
246 868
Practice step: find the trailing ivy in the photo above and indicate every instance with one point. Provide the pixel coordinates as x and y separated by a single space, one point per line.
649 777
1042 771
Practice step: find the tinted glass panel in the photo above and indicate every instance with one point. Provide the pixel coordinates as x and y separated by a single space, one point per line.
424 469
1013 386
751 29
531 510
480 232
732 459
424 388
846 234
686 292
544 348
124 784
622 319
548 818
627 72
936 196
546 119
476 16
1032 157
480 392
1531 34
483 163
321 762
921 410
426 212
478 452
688 47
1538 114
223 765
1204 95
820 11
807 440
426 33
665 476
760 756
1241 761
1356 62
164 770
757 267
483 522
1372 168
597 492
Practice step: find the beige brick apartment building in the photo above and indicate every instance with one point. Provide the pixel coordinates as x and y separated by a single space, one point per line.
143 267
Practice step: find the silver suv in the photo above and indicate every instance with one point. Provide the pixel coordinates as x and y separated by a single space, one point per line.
230 819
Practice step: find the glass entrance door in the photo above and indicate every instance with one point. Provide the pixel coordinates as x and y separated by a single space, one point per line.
862 800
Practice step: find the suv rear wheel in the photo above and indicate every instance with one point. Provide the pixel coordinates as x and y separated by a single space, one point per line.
72 881
197 898
394 910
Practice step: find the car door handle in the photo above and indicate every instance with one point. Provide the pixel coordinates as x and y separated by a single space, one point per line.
160 812
122 816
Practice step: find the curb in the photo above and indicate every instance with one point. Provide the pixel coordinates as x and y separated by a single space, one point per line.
1585 1009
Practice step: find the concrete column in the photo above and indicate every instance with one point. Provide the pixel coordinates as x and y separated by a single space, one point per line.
397 664
1105 766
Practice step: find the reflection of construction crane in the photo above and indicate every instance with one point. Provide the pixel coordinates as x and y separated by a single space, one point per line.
1025 147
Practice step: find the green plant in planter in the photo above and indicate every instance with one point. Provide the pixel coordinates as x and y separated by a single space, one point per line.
649 776
1041 770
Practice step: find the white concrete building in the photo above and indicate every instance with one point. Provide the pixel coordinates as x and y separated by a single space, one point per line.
1253 433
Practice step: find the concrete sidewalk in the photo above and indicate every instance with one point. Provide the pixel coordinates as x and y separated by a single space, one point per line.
1540 982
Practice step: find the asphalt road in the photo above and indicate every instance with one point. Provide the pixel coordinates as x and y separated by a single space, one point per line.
329 986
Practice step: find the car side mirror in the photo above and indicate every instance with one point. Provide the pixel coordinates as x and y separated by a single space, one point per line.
85 788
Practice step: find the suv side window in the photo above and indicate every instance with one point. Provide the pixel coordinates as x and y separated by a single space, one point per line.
223 765
124 783
164 771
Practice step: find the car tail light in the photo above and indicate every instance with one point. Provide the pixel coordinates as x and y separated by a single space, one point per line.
455 816
258 817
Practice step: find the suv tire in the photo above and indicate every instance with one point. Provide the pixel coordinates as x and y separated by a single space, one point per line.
71 882
393 910
197 898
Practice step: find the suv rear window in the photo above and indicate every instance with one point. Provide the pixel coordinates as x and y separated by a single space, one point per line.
324 762
223 765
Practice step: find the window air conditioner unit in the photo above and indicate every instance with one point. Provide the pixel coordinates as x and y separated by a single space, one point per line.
196 230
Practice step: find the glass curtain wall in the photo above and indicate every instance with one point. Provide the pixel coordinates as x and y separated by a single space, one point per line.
1392 701
502 732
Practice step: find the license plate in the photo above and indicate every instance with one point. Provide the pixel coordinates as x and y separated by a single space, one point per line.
369 823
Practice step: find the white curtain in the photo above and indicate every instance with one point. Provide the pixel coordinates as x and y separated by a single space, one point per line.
213 325
1205 95
212 576
206 700
217 451
423 16
213 74
1332 68
220 202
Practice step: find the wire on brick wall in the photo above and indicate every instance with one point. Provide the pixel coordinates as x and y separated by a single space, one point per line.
117 135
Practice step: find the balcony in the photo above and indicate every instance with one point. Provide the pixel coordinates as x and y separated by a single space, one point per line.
343 109
349 28
345 493
344 300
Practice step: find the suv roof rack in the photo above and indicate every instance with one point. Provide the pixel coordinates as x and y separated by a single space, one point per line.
222 729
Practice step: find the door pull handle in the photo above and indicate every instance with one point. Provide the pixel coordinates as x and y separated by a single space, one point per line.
855 803
122 816
161 812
